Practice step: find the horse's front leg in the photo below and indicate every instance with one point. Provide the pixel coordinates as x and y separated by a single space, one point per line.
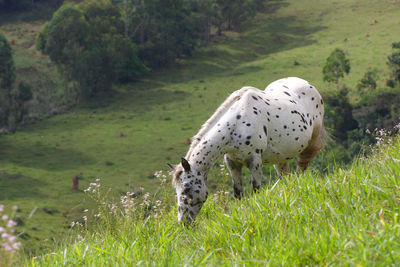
235 170
282 168
255 167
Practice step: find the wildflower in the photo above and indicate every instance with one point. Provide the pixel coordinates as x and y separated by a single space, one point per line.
2 230
1 208
4 217
5 235
85 218
7 247
11 223
86 210
16 245
15 207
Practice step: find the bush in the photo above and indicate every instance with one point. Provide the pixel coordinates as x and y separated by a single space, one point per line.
339 113
336 66
380 109
368 82
394 62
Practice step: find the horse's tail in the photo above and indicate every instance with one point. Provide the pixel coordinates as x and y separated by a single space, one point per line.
325 136
221 110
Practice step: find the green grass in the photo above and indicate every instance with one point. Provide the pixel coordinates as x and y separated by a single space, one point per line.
158 113
349 217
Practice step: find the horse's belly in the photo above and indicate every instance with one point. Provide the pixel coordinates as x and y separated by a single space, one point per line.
282 148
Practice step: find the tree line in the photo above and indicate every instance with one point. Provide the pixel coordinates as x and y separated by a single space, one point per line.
98 43
354 124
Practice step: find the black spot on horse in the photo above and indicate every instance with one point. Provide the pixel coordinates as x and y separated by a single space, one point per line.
248 124
287 93
248 137
312 98
255 98
265 130
247 143
238 116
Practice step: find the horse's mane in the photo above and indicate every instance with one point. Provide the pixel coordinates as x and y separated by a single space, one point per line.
221 110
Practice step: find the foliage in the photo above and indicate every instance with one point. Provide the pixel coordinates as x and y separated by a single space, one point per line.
336 66
7 67
7 78
380 109
394 62
339 113
11 5
87 44
368 82
167 32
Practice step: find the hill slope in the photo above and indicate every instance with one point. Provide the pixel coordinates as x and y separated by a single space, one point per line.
158 113
348 217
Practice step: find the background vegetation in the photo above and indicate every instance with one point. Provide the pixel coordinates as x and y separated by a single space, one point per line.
126 134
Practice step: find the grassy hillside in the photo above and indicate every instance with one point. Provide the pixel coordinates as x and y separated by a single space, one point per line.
349 217
156 114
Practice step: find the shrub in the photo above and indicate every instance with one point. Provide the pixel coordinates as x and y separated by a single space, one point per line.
394 62
336 66
368 82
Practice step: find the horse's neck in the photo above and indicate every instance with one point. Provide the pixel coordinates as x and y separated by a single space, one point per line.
211 147
212 121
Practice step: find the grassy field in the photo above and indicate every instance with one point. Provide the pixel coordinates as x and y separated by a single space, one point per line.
349 217
156 114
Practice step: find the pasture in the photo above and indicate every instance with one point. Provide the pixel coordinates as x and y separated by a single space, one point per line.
160 111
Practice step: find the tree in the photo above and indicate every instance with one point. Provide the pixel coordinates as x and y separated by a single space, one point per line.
169 32
336 66
339 113
7 79
87 43
394 62
368 82
13 5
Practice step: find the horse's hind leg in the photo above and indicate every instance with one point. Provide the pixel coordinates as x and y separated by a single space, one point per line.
309 153
235 170
255 166
282 168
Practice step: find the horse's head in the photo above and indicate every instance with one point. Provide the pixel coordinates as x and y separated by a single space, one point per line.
191 190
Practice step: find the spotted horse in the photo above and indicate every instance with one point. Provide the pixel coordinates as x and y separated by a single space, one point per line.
252 127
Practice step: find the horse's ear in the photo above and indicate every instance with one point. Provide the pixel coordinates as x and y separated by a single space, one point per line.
185 165
172 166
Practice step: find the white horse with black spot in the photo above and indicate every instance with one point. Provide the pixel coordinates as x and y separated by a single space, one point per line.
252 128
